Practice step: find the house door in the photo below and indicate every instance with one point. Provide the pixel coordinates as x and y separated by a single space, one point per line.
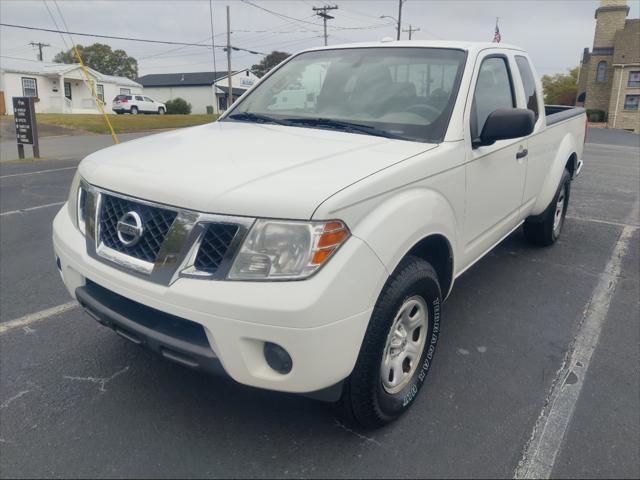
67 90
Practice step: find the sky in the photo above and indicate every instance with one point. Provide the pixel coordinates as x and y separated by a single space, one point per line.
554 32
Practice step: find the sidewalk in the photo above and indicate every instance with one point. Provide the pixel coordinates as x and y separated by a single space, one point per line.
65 147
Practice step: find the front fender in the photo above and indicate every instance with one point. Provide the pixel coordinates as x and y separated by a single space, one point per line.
399 222
567 148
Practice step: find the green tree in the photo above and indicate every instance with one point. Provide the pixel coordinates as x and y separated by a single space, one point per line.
102 58
268 62
561 88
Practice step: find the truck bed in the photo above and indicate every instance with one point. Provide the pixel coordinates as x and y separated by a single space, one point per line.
559 113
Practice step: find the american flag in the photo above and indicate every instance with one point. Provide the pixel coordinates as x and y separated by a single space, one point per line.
496 36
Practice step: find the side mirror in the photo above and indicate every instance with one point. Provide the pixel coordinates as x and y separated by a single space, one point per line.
506 123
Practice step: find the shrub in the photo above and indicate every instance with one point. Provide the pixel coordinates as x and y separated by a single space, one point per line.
178 106
595 115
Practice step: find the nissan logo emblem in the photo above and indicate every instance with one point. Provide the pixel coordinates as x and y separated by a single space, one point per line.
130 229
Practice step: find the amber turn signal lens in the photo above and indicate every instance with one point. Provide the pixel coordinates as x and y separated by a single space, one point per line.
321 256
331 239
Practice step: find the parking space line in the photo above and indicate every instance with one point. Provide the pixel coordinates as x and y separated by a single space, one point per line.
30 209
542 449
37 172
37 317
604 222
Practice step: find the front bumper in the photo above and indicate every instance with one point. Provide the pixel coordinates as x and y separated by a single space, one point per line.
319 321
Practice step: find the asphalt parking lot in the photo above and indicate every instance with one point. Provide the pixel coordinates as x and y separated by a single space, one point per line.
76 400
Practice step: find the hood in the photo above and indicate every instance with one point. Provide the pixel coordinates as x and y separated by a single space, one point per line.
247 169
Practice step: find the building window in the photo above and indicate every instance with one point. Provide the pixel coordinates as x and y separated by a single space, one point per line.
100 92
634 79
67 90
29 87
601 72
125 91
631 102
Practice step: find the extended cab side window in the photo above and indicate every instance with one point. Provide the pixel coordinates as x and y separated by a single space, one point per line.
528 83
494 90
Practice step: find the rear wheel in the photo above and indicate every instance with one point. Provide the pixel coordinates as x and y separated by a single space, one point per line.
398 347
134 110
544 229
161 111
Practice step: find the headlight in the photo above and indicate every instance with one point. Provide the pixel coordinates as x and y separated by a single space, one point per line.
77 203
287 250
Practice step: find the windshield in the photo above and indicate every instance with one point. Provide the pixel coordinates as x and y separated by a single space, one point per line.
397 92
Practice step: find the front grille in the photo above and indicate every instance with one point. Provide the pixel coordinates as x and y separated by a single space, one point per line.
214 246
156 223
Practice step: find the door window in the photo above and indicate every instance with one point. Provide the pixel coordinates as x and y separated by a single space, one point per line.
139 98
494 90
147 99
67 90
528 83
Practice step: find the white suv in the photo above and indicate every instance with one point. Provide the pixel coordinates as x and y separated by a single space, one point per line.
135 104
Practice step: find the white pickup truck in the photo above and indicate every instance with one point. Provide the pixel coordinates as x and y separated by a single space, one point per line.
308 248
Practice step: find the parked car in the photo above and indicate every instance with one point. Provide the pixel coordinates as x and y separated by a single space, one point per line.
135 104
312 252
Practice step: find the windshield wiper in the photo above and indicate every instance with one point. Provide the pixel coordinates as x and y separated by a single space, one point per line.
342 126
258 118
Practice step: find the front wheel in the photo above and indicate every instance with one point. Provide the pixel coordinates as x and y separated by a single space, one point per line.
544 229
160 111
398 346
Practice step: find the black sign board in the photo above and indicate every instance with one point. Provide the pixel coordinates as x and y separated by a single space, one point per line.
24 114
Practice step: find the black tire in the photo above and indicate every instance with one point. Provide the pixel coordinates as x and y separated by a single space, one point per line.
161 111
542 230
364 398
134 110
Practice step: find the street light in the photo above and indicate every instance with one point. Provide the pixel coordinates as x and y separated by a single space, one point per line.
396 22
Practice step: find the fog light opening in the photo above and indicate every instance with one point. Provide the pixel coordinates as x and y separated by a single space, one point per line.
277 358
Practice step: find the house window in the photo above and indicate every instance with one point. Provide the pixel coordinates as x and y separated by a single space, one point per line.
100 92
601 72
125 91
29 87
67 90
631 102
634 79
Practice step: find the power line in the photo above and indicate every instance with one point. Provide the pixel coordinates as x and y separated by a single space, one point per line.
130 39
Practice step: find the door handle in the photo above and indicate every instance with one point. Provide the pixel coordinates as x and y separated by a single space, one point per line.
523 152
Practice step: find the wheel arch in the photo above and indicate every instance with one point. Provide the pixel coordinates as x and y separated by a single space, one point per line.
437 250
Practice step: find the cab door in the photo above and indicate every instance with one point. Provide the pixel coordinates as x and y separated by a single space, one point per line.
495 173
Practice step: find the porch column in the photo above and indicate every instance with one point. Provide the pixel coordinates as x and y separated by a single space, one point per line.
61 91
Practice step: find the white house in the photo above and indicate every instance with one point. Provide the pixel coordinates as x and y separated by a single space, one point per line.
59 87
203 90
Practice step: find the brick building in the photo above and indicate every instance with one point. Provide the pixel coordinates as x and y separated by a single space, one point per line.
610 74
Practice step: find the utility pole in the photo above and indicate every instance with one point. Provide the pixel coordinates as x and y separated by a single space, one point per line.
322 12
40 46
230 94
400 2
411 30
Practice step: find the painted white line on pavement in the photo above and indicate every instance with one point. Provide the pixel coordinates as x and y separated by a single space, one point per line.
37 317
604 222
542 449
38 172
30 209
